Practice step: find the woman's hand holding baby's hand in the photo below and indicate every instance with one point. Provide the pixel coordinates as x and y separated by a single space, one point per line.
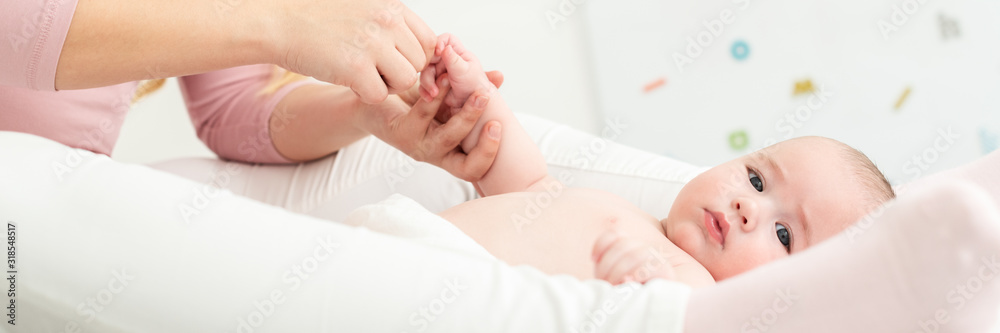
619 258
463 69
412 95
415 131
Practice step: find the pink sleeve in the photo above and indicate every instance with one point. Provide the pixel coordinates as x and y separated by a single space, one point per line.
232 116
33 33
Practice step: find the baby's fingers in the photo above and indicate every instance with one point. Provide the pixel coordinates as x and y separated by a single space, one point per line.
428 84
454 63
443 41
618 251
602 244
624 269
458 47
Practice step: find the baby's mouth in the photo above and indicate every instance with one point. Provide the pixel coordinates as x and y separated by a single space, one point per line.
716 226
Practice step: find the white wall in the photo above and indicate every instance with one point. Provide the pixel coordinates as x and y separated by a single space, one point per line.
860 55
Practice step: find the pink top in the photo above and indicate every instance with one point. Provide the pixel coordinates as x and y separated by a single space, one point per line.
229 114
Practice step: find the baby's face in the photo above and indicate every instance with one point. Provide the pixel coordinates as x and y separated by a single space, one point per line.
765 206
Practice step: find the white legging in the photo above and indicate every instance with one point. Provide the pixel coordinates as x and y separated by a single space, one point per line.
370 170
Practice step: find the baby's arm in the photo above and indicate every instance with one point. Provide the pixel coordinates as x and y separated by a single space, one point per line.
620 258
519 165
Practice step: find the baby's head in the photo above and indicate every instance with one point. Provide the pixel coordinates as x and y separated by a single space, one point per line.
774 202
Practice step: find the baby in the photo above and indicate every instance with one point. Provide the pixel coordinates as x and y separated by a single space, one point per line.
732 218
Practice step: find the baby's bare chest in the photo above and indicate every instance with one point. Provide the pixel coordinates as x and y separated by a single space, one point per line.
552 231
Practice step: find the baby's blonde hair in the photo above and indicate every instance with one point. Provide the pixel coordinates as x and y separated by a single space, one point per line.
879 189
279 78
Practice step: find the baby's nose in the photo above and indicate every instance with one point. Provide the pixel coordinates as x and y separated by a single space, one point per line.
746 211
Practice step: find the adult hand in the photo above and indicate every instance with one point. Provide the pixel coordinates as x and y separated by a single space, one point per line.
375 47
416 132
372 46
444 114
410 96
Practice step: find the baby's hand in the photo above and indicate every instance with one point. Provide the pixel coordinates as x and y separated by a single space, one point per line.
465 73
619 259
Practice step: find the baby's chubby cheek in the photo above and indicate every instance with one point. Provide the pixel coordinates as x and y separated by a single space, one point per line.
689 238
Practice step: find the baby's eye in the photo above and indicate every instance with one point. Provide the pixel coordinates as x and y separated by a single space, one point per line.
755 180
784 237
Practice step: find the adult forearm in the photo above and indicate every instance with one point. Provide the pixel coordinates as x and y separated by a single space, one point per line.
115 41
313 121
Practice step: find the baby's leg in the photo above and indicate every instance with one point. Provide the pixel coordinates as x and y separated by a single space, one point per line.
928 263
364 172
370 170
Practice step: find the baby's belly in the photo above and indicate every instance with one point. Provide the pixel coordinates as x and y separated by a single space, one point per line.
552 231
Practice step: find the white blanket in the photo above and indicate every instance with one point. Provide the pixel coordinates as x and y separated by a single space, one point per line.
109 247
403 217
